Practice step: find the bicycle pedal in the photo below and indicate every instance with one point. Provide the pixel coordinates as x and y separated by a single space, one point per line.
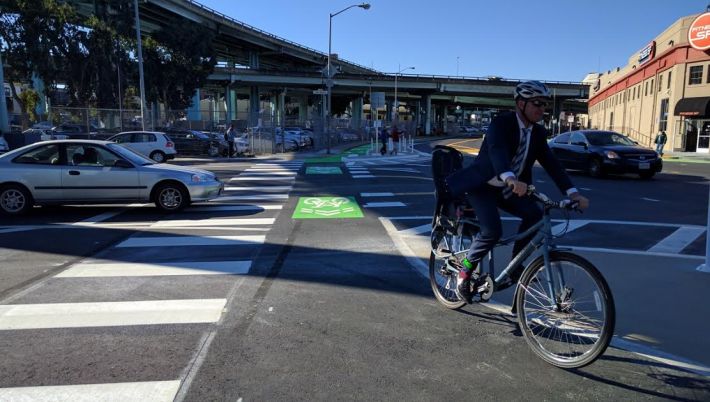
484 288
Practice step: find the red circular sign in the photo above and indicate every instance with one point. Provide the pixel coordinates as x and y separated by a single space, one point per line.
699 32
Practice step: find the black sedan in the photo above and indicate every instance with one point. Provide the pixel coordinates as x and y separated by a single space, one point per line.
599 152
192 142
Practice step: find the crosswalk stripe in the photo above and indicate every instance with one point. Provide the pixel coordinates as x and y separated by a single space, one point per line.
175 241
417 230
127 269
110 314
253 173
256 178
213 222
253 197
220 208
376 194
261 188
157 391
678 240
383 204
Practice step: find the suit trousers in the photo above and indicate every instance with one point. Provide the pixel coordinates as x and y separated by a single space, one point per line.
485 202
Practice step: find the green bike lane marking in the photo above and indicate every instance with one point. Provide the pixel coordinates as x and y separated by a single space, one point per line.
327 208
323 170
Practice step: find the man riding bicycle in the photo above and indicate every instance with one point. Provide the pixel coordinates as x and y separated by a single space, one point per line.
500 174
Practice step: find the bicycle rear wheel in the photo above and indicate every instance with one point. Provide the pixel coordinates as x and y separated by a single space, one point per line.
443 281
574 327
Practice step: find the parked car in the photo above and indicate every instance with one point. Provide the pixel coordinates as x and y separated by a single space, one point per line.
219 137
43 125
4 147
191 142
45 134
153 144
306 135
74 130
89 171
600 152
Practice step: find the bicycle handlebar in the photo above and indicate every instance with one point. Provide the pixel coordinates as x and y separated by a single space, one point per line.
566 203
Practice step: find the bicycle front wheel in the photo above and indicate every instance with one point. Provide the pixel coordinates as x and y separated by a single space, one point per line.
570 324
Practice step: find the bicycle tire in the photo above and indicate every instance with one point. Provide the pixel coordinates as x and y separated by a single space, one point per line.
443 283
573 326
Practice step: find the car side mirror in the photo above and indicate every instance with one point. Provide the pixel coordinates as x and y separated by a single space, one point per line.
120 163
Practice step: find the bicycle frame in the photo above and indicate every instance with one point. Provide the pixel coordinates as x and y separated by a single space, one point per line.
543 239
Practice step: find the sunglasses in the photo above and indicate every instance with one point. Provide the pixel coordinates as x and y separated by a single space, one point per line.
538 103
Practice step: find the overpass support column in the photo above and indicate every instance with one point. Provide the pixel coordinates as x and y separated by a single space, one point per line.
253 106
193 112
230 97
4 127
356 120
427 115
303 114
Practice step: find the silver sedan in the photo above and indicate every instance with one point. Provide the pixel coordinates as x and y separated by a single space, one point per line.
93 172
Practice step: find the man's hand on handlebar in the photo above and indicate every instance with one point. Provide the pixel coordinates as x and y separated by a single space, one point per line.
582 201
519 188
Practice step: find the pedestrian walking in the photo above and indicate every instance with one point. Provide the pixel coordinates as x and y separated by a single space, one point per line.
384 136
661 139
395 140
229 136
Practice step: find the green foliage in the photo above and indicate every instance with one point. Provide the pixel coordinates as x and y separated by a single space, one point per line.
30 98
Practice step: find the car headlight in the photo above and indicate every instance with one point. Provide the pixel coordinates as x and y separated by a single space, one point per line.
611 155
201 178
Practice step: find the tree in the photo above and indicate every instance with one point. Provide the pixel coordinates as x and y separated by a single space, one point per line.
35 35
177 60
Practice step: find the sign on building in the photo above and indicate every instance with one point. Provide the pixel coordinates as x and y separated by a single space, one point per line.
699 32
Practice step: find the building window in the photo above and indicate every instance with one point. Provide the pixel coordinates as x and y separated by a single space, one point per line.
645 92
651 86
660 82
668 85
663 118
695 75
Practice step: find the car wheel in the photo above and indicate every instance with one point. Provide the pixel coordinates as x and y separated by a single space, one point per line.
158 156
647 175
15 199
171 197
595 168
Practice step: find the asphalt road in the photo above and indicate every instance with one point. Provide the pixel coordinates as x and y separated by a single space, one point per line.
237 299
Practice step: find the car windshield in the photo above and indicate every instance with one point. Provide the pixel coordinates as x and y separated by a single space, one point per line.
608 138
200 135
131 155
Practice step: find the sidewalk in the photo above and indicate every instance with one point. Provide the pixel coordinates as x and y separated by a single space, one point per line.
686 157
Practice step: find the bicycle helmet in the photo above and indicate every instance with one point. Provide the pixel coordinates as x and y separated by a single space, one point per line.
532 89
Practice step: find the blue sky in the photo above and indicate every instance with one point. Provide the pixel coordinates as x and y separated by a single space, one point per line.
546 39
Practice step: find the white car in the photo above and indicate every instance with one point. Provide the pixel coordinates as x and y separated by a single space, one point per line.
153 144
96 172
3 145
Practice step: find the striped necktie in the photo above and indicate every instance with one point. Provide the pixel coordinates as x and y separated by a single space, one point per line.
517 164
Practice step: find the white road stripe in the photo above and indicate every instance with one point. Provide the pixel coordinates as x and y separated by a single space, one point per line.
110 314
650 199
126 269
175 241
573 225
383 204
585 189
253 197
248 173
254 178
213 222
405 170
376 194
158 391
260 188
677 240
218 208
103 217
363 176
417 230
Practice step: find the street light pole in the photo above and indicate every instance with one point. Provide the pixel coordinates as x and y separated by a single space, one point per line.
140 63
329 77
396 104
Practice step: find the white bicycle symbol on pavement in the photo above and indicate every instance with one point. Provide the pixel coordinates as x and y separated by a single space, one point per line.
327 207
335 202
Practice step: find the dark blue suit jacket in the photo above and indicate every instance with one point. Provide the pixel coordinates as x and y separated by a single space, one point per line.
496 156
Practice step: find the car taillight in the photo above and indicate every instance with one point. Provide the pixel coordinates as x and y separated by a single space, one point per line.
169 144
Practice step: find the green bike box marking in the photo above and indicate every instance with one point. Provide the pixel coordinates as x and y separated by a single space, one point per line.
323 170
327 208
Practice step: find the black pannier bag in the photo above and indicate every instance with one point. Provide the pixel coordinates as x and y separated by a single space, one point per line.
445 161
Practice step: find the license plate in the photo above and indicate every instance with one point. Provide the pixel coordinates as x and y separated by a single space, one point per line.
644 165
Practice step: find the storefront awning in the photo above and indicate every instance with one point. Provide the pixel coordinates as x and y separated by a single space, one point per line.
693 107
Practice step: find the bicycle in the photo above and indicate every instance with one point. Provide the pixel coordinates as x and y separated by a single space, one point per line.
564 306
